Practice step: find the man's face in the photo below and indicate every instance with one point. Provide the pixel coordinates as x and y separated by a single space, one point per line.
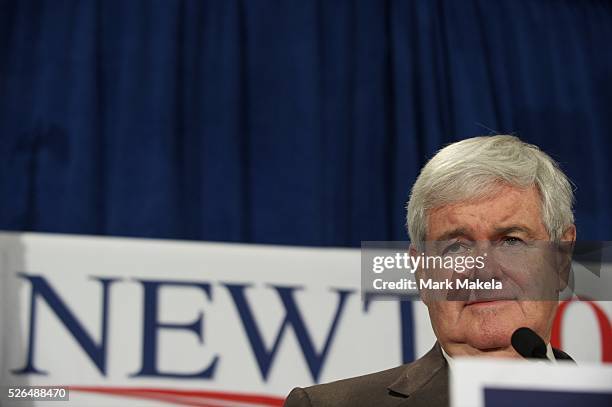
508 218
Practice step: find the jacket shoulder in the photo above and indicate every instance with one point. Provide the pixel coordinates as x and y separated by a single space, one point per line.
363 390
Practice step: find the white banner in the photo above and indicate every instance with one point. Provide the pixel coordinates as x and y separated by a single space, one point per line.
144 322
483 382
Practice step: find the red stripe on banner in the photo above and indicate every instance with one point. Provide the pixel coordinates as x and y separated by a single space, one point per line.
182 396
158 397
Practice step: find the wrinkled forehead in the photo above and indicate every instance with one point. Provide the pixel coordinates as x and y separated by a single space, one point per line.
509 208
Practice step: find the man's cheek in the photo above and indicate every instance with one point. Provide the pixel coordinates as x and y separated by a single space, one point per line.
537 285
448 312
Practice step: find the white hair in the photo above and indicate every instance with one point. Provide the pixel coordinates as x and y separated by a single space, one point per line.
475 168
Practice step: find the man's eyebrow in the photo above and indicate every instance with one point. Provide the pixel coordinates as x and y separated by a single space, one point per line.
461 231
513 229
451 234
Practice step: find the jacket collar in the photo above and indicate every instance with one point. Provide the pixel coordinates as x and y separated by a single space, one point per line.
560 355
419 373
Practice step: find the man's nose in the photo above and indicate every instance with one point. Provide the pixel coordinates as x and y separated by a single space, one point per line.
486 268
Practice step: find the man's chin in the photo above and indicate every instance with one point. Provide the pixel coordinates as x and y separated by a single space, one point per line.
492 324
490 342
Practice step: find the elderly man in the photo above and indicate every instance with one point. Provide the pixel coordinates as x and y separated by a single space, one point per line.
497 190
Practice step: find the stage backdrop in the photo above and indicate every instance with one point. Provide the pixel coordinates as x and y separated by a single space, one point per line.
144 322
300 123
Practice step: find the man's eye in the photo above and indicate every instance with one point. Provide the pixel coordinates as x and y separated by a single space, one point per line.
512 241
455 248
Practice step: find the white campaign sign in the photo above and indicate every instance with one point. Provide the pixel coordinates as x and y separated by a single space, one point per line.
151 322
502 382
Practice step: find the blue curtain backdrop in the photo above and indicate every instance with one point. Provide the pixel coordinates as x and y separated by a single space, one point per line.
293 122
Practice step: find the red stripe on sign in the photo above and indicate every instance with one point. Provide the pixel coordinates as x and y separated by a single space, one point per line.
160 397
184 397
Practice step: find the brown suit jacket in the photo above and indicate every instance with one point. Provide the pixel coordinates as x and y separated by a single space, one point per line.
423 382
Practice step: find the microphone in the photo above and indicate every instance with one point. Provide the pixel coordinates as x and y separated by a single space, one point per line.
528 344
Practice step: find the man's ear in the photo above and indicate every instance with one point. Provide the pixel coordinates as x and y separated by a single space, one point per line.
570 234
418 274
566 249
